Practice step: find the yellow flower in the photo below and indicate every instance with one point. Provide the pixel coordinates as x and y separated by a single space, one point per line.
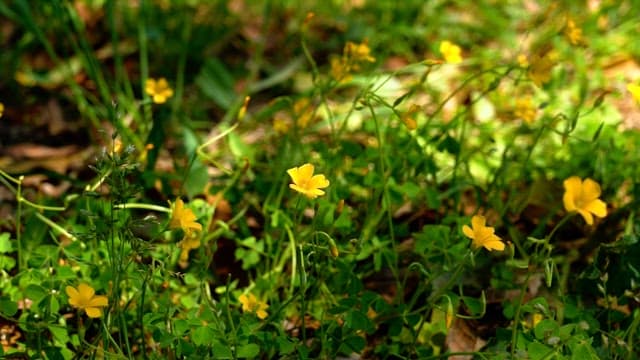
482 235
281 124
187 244
1 109
582 196
525 110
450 52
305 182
358 52
522 60
573 33
183 218
251 304
159 90
303 111
409 118
541 65
84 298
340 69
634 90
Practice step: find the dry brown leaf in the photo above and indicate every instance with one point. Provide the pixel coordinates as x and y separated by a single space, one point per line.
461 338
35 151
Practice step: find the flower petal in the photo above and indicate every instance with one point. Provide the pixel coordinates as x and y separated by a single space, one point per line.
477 222
318 181
98 301
93 312
569 201
494 243
262 314
590 189
86 291
73 294
468 232
572 190
588 218
295 175
597 207
573 185
306 171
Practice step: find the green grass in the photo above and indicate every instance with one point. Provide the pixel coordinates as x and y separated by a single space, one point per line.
414 147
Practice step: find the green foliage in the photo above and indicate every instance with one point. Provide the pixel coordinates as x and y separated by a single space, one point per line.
198 241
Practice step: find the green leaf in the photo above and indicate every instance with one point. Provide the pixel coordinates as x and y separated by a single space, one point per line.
59 333
202 335
545 329
221 351
7 262
582 350
431 236
358 321
285 346
248 351
216 83
5 243
65 273
8 307
196 180
353 344
538 351
239 148
35 292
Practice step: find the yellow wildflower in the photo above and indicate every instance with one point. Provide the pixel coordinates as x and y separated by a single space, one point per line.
187 244
281 124
358 52
582 196
183 218
523 61
251 304
303 112
409 118
84 298
482 235
573 32
525 110
305 182
450 52
634 89
117 147
159 90
340 69
1 109
541 65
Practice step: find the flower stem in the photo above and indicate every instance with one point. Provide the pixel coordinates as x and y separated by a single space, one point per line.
163 209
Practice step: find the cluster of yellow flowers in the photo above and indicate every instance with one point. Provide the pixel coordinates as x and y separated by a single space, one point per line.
353 56
573 32
251 304
581 196
303 111
525 110
183 218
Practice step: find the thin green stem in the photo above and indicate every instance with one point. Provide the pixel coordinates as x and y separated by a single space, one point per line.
152 207
55 226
